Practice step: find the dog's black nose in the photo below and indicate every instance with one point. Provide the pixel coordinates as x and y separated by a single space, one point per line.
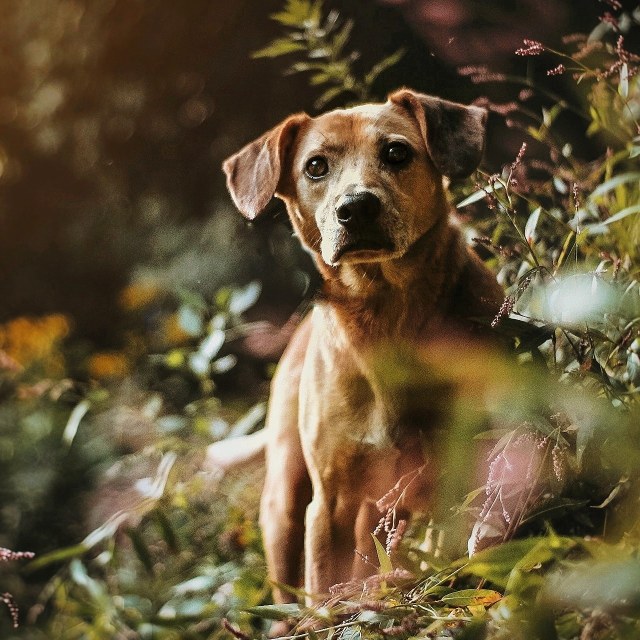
358 208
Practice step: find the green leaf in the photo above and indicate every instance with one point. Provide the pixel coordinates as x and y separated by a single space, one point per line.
194 585
532 223
315 13
497 563
383 557
469 498
555 507
298 12
479 195
622 214
276 611
471 597
320 78
383 65
70 430
549 115
299 67
79 575
328 96
191 320
341 38
609 185
244 298
623 86
141 548
278 47
59 555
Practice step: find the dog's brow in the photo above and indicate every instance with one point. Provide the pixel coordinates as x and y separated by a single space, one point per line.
329 148
378 120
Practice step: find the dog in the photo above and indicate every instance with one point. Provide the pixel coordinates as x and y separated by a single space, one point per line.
364 188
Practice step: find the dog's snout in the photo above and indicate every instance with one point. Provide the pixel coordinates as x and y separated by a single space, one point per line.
357 208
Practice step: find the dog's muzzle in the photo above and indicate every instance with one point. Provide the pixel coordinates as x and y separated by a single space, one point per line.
358 216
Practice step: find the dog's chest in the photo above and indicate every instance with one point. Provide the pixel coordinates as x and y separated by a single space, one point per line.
356 400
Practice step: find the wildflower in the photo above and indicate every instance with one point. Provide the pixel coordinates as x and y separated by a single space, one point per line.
505 310
481 74
576 199
556 71
6 555
587 49
559 457
492 201
624 55
504 109
518 160
395 536
624 58
7 599
531 48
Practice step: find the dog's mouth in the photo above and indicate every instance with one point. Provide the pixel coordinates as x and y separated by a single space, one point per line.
362 249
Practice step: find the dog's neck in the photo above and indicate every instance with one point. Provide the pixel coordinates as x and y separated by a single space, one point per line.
388 299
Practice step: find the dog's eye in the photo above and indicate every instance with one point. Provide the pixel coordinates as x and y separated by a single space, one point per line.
395 153
317 167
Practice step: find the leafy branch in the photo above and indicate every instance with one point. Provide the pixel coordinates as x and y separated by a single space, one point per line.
323 41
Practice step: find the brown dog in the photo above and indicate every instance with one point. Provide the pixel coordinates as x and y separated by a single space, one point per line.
364 190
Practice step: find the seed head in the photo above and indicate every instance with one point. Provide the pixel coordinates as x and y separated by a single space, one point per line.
556 71
531 48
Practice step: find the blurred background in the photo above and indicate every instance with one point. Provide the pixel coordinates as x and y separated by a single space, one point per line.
115 117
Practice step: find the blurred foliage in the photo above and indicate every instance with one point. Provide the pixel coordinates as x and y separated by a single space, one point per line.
101 453
114 119
120 454
323 40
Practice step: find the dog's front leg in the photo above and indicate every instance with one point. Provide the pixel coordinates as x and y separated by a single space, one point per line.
287 489
330 540
282 508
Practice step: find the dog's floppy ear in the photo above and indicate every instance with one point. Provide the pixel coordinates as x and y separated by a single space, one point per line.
454 133
254 172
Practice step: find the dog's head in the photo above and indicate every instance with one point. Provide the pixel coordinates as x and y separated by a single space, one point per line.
360 184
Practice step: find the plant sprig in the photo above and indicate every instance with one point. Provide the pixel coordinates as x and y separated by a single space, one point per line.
323 41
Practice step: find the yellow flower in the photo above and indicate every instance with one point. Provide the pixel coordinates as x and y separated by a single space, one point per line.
109 364
138 295
31 341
